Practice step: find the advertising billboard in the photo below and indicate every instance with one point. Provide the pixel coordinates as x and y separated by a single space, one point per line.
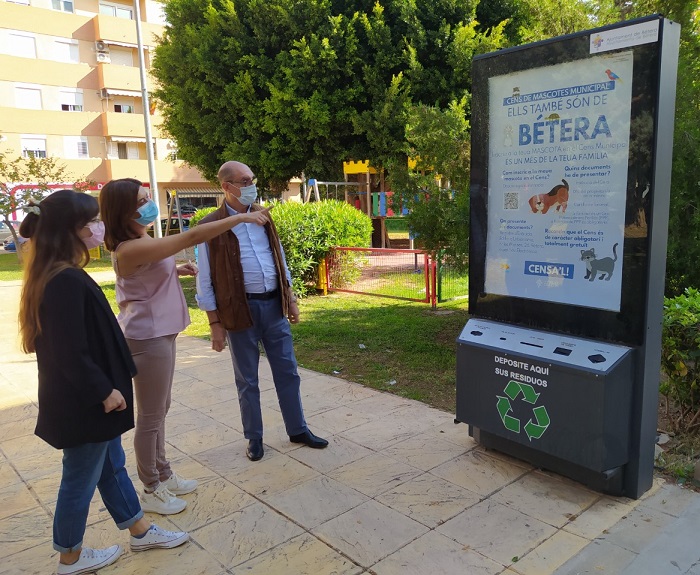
558 156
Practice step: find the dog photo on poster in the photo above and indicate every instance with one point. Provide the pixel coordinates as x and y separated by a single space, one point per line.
558 162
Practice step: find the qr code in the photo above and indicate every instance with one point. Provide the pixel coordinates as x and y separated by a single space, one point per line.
510 201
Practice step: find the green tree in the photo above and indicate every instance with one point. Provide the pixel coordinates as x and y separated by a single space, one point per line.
533 20
24 179
682 268
435 189
292 86
549 18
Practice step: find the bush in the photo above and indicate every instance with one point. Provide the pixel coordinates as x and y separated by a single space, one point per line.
680 357
199 214
308 231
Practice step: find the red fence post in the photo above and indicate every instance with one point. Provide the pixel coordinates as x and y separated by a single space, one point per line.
433 297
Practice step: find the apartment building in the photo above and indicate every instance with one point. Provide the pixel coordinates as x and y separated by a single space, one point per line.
70 87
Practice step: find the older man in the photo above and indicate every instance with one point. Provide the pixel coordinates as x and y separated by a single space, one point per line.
245 288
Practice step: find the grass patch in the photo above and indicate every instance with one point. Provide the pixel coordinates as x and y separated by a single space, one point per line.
396 224
10 269
677 462
402 347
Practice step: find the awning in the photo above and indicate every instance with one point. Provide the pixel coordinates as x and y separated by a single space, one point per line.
194 192
122 139
125 44
132 93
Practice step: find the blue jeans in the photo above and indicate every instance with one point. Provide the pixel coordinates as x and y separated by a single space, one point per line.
272 329
85 467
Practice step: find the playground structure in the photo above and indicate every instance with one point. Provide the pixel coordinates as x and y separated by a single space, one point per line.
364 188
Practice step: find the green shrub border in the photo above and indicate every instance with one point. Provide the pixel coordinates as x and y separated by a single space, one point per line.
680 358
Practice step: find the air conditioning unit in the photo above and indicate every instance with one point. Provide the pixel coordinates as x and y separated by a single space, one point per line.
101 46
103 57
104 94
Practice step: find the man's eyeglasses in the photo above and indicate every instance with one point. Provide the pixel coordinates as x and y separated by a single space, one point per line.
244 182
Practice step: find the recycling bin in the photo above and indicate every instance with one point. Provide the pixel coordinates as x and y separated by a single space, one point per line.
559 402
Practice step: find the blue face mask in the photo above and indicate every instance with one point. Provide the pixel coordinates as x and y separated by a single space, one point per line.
248 194
148 213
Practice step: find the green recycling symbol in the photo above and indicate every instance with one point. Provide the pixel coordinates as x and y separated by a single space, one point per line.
534 428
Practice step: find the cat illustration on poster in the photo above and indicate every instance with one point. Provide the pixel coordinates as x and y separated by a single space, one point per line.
595 266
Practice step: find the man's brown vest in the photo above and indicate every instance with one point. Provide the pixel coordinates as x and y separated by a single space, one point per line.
227 273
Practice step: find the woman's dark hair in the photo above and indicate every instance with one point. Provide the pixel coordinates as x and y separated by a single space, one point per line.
118 202
52 226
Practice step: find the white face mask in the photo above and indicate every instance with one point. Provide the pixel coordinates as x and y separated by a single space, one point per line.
98 234
248 194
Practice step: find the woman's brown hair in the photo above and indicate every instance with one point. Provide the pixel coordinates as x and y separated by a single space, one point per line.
52 226
118 203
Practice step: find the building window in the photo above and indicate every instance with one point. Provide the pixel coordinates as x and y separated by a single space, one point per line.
118 10
71 101
75 147
33 147
28 98
123 150
22 45
172 151
63 5
121 56
123 108
65 52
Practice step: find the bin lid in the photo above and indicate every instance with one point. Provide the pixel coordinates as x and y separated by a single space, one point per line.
545 346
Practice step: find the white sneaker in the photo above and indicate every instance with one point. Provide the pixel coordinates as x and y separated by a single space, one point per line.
179 485
90 560
159 538
162 501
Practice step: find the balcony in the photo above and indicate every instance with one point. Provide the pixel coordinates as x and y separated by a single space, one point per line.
49 22
129 125
90 169
119 77
18 121
165 171
48 72
123 31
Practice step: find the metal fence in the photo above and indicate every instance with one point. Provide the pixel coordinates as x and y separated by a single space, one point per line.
452 281
399 274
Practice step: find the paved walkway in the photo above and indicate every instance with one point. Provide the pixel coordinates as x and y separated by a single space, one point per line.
400 490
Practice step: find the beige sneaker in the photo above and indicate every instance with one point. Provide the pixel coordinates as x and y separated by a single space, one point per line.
162 501
179 485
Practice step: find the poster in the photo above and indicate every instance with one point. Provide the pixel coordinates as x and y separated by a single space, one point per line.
558 155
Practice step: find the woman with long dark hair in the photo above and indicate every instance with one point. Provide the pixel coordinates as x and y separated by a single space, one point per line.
152 312
85 371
